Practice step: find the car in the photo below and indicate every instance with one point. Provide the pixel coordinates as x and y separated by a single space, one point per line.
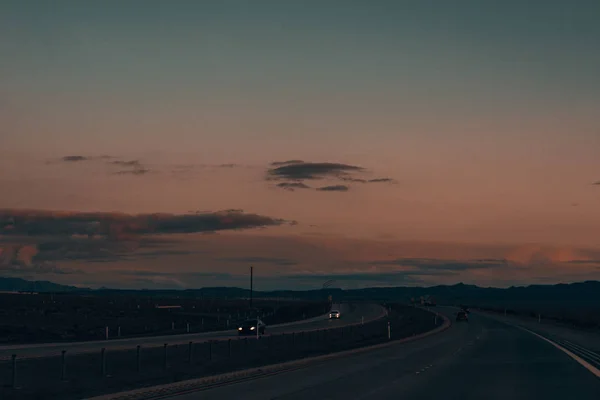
334 314
462 316
249 327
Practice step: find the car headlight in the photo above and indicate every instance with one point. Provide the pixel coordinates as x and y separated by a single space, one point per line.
251 328
240 328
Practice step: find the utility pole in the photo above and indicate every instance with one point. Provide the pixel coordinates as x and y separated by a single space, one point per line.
251 283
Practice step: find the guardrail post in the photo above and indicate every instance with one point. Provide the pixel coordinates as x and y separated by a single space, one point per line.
190 351
229 348
63 365
13 383
188 327
138 358
165 356
389 331
103 362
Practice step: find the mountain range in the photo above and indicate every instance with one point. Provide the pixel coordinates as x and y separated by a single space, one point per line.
581 294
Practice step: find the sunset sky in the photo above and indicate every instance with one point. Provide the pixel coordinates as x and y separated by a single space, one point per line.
376 143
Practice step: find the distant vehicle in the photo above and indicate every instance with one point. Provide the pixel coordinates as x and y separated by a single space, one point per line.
334 314
250 326
462 316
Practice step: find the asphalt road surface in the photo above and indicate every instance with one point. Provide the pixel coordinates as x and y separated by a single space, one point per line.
481 359
351 314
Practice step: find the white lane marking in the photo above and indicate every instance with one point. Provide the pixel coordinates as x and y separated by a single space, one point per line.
574 356
589 353
418 372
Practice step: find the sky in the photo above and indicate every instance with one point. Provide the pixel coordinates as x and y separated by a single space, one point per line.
377 143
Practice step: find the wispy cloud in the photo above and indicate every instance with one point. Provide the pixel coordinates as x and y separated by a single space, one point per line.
136 171
260 260
426 264
280 163
334 188
292 185
129 163
75 158
378 180
79 158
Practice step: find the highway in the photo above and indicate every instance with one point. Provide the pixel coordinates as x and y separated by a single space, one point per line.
351 314
481 359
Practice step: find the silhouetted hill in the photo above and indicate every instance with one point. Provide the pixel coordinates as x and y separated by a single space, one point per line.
585 294
22 285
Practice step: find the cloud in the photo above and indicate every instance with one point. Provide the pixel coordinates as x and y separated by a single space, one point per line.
349 179
279 163
75 158
377 180
137 171
260 260
21 260
292 185
425 264
309 170
130 163
115 225
295 172
334 188
596 183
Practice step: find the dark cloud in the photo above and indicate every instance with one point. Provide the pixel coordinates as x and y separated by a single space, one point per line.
260 260
75 158
419 268
227 165
426 264
297 171
279 163
376 180
218 275
308 170
333 188
596 183
367 278
100 250
114 225
23 268
349 179
592 262
130 163
136 171
292 185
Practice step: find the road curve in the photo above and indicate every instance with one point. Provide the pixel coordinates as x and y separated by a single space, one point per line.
351 314
482 359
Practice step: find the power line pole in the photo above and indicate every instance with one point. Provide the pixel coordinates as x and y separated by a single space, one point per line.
251 283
